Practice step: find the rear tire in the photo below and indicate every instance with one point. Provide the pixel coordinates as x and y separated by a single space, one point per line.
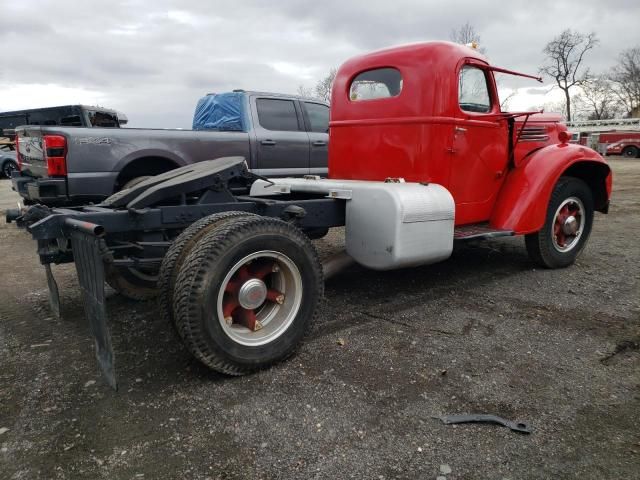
630 152
247 294
132 283
180 248
567 226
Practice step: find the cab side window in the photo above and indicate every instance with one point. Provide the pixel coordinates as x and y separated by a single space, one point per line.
318 116
277 115
473 90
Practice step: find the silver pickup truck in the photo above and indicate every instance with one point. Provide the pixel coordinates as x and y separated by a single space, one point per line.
279 135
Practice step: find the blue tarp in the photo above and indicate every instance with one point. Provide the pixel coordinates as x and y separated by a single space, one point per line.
224 111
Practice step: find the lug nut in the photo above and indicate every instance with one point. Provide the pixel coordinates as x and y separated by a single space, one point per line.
257 326
275 268
229 320
280 299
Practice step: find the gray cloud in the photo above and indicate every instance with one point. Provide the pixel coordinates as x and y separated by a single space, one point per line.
153 60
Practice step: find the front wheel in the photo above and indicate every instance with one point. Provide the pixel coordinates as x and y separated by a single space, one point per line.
8 168
247 294
567 226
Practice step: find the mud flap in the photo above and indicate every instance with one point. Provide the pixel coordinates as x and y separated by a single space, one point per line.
87 254
54 295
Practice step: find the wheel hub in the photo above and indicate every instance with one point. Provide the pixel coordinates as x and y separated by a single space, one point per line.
252 293
570 226
259 297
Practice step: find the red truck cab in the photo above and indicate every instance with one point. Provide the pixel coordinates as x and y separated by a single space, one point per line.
430 112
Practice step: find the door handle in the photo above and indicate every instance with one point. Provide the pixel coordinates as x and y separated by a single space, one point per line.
267 142
460 130
319 143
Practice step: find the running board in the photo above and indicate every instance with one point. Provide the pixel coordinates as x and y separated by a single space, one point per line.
479 231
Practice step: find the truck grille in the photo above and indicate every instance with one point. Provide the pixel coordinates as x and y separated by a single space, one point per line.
534 134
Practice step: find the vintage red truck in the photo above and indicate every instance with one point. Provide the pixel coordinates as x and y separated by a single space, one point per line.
420 156
629 146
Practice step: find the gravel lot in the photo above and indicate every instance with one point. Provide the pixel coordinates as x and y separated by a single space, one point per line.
484 332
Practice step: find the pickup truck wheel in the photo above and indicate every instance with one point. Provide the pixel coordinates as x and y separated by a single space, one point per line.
132 283
135 181
567 226
247 294
8 168
630 152
180 248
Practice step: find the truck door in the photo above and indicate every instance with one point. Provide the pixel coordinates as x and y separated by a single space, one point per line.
316 116
479 148
282 141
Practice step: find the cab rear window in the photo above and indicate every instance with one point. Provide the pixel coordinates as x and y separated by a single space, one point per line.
377 83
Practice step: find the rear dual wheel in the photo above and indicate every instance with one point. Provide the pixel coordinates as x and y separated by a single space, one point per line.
247 293
132 282
180 248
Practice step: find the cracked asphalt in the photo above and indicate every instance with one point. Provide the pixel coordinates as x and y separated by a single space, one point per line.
484 332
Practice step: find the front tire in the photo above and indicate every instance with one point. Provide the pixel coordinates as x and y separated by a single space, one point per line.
8 168
247 294
567 226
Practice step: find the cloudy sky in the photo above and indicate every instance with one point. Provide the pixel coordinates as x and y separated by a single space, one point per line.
153 60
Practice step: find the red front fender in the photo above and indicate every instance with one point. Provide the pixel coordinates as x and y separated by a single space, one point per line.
522 202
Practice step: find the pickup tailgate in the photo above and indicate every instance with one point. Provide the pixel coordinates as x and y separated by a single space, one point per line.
42 161
31 155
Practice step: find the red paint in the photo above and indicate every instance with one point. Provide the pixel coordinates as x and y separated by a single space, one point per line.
522 202
616 136
423 135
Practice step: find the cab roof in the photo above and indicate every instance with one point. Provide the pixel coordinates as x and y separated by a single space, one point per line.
429 80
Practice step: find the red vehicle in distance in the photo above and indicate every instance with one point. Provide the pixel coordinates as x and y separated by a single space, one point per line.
627 147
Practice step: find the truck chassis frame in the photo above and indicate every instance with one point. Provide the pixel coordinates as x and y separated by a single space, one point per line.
134 228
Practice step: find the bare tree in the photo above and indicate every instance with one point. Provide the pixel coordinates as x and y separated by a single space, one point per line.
466 34
323 87
565 54
506 101
599 98
304 91
626 78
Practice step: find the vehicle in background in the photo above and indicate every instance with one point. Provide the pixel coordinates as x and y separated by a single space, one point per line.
278 135
8 163
629 147
66 115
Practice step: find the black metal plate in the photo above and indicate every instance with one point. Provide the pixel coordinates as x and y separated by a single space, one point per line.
89 265
54 295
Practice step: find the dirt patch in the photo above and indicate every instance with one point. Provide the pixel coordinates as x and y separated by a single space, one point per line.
484 332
